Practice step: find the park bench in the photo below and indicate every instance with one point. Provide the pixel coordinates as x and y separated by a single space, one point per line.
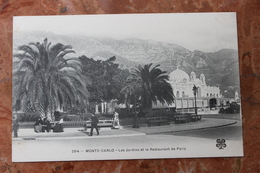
194 117
101 123
157 121
184 118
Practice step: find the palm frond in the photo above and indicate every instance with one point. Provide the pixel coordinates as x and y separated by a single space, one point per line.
29 50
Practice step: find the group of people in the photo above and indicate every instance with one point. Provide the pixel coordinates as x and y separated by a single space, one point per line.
42 125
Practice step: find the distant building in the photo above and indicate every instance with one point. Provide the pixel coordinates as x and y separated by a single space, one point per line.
182 85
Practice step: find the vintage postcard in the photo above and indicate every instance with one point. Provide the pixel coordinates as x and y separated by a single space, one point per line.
128 86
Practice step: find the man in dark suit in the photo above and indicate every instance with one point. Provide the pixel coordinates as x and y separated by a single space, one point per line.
15 125
94 124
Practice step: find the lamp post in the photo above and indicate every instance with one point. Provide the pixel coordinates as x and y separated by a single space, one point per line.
135 114
195 89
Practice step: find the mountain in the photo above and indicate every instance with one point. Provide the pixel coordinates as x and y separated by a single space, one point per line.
83 45
129 52
220 68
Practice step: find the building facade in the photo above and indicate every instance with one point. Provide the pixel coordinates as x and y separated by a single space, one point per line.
182 84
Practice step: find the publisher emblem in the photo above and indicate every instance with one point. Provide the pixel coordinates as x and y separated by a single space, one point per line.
221 144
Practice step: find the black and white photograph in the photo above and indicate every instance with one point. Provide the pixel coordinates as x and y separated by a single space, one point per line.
126 86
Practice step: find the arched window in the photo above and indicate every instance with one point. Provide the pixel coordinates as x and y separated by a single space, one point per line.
177 94
207 94
183 94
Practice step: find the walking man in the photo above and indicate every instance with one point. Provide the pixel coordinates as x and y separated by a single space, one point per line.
15 125
94 124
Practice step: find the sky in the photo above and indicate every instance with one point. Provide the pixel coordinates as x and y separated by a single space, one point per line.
208 32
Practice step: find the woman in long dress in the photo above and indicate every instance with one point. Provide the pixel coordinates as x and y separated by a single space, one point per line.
116 124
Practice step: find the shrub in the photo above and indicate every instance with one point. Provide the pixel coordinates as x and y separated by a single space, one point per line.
72 117
27 117
160 113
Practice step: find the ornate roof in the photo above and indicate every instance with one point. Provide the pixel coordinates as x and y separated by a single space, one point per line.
179 75
192 73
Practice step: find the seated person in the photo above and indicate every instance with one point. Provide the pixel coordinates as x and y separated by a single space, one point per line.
46 125
59 126
38 125
38 121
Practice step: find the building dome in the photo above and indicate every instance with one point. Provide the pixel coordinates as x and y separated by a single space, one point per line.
179 75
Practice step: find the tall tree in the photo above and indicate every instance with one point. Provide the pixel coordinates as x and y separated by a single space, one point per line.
46 79
106 78
131 90
154 85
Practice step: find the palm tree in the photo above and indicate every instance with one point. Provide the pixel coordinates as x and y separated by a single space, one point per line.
46 79
154 86
131 90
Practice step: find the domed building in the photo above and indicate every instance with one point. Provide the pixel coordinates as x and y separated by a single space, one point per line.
182 85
